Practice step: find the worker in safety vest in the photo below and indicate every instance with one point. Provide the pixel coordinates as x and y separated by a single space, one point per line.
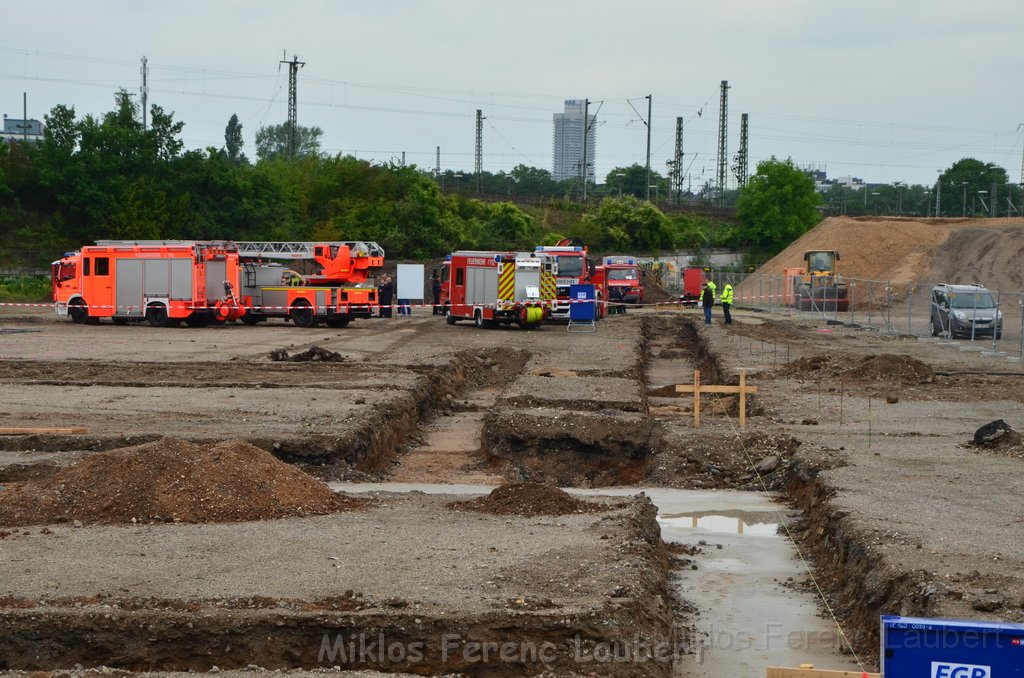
714 289
707 300
727 303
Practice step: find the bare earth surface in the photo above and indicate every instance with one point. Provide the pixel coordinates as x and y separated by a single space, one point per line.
868 436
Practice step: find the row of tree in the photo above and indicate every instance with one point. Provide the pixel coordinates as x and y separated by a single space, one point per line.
111 178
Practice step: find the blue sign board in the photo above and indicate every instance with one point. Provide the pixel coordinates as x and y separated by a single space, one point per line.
581 303
950 648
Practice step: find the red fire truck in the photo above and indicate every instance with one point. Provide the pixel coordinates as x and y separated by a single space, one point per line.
335 293
572 266
163 282
619 279
492 288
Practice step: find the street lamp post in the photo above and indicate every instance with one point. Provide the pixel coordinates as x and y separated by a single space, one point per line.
963 208
899 198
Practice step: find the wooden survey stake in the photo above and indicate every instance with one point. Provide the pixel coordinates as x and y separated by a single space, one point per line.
697 389
816 673
22 430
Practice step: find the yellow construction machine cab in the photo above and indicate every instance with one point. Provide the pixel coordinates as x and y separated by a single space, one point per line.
820 287
821 263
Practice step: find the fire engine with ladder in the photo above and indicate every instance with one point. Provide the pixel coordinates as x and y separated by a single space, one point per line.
199 282
335 294
572 266
162 282
492 288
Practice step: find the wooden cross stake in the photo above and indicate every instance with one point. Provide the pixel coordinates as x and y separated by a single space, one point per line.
697 389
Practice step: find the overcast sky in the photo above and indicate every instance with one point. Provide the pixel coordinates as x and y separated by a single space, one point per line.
883 90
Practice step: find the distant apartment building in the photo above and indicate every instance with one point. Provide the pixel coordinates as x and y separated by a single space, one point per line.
567 147
21 130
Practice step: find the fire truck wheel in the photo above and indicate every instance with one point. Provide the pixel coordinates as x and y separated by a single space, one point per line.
337 322
478 318
156 314
449 318
77 311
250 319
302 314
197 320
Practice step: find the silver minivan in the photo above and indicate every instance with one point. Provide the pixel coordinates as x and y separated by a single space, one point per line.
968 311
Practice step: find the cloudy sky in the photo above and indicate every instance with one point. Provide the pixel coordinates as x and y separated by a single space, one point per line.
883 90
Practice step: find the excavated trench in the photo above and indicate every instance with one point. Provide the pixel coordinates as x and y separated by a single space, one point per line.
582 439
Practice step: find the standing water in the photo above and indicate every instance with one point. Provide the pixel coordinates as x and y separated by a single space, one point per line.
749 614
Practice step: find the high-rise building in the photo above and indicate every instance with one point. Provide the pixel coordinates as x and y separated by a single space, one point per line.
568 143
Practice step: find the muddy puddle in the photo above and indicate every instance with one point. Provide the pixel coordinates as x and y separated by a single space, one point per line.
749 613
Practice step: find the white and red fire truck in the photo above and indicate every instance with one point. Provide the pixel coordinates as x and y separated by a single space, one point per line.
199 282
572 266
619 279
492 288
162 282
335 293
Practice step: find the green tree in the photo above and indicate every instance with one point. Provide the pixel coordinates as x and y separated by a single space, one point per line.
633 181
628 224
964 182
233 141
778 205
272 141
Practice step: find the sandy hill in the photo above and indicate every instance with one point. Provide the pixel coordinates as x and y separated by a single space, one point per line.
988 251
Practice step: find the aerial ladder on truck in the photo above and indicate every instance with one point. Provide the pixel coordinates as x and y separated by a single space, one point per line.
334 294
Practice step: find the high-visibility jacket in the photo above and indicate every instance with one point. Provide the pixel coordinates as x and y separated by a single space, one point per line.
727 294
713 288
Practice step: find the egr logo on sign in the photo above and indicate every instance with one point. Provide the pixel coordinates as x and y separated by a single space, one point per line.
944 670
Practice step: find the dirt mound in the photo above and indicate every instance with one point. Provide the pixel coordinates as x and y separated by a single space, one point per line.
910 250
171 480
895 369
313 355
1000 438
528 499
900 369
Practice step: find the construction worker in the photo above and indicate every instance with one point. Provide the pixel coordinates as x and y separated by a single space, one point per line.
714 289
727 303
707 300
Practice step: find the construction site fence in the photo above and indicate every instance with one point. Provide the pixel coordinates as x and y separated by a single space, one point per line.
894 308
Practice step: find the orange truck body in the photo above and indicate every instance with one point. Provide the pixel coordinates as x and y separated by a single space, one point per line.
693 285
334 295
163 282
618 277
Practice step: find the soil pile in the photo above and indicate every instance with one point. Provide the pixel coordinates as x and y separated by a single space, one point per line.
899 369
908 250
171 480
1000 438
894 369
313 355
529 499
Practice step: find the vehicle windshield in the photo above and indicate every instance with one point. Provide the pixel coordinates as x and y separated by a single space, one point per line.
971 300
63 271
622 274
570 266
821 261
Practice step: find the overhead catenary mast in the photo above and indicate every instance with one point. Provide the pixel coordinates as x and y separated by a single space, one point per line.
293 77
144 92
723 146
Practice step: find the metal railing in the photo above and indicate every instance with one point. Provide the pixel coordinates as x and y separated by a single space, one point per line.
897 308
